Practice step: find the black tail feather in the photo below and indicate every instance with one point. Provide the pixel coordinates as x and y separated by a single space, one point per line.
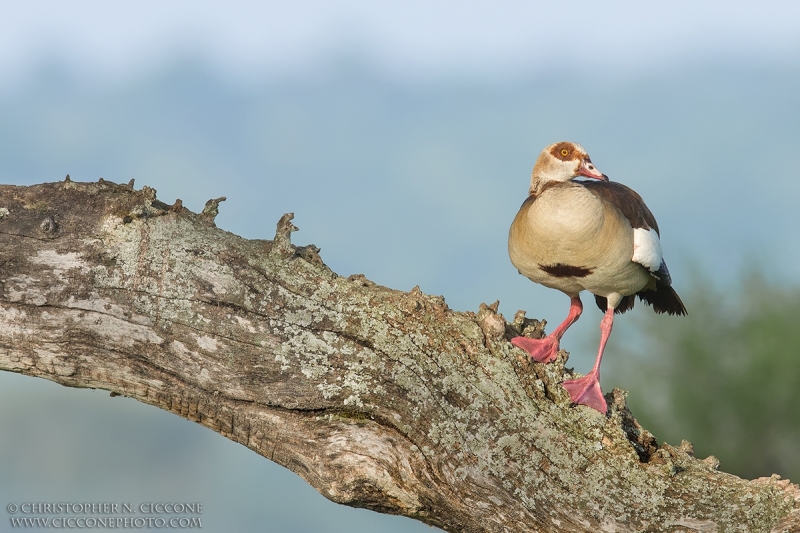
664 300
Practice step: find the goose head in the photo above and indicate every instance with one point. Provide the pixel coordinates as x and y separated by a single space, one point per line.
563 161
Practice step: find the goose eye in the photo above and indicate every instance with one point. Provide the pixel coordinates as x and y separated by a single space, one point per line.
564 152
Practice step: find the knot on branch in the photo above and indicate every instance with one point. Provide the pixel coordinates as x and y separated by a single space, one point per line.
282 243
362 280
491 322
643 442
147 205
311 254
211 210
713 463
525 327
149 193
48 226
144 210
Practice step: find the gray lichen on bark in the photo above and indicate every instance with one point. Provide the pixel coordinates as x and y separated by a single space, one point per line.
378 398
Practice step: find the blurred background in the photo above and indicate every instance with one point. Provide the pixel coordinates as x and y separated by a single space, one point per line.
402 135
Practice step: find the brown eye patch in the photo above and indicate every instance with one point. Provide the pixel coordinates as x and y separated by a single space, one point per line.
564 151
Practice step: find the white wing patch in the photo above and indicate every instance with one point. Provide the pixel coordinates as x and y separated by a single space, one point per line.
646 248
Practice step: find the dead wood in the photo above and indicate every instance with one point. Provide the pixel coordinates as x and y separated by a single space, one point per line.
378 398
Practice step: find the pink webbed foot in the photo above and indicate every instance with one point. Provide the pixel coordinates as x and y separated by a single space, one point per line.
586 391
540 350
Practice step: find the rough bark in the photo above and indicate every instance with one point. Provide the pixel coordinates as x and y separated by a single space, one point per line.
378 398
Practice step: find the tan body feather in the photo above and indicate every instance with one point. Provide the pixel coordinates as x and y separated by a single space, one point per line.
566 224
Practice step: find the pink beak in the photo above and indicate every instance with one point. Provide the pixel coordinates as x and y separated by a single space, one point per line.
590 171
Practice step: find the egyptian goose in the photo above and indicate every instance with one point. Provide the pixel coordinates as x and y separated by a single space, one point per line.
591 235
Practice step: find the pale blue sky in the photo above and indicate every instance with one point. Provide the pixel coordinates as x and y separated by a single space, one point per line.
409 41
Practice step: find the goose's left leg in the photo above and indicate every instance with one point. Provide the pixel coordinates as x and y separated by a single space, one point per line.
586 390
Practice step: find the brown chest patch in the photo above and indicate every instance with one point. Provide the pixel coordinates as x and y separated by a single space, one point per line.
560 270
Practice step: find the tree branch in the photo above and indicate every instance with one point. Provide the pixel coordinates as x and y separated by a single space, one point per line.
378 398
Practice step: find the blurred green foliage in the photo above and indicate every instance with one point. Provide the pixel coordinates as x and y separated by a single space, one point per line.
727 377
